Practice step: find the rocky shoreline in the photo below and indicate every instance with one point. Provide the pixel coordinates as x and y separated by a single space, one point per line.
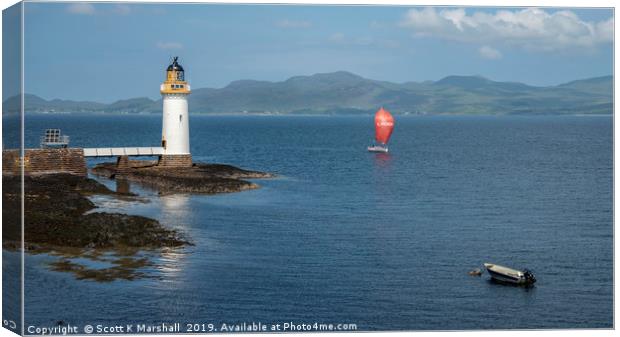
59 217
55 215
199 178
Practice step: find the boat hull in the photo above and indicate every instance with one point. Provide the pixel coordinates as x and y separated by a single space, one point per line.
378 148
507 275
504 278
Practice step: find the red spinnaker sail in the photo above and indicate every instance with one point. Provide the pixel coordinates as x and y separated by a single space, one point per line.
384 124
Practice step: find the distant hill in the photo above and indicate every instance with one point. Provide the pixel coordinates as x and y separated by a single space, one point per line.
592 85
35 103
132 105
343 92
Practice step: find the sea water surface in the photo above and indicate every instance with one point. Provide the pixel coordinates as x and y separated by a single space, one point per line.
384 241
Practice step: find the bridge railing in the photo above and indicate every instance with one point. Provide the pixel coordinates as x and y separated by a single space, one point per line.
123 151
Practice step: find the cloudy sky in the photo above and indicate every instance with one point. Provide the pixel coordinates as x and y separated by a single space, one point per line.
105 52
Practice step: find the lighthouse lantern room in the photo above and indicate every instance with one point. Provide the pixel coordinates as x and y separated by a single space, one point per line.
175 124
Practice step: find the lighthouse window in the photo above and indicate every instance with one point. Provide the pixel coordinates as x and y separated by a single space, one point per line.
180 118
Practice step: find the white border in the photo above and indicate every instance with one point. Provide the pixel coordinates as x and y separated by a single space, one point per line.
481 3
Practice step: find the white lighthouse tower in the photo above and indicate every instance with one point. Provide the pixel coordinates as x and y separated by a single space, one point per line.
175 124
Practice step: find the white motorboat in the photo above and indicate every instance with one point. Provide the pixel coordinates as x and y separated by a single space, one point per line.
509 275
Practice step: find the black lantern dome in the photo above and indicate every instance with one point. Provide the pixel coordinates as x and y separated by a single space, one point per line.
175 65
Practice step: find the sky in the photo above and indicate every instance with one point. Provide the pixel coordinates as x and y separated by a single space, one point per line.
109 51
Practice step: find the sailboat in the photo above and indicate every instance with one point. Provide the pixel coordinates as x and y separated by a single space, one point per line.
384 125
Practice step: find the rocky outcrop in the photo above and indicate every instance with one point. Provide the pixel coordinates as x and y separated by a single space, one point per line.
198 178
54 216
58 217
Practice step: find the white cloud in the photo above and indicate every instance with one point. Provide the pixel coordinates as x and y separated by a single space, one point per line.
82 8
489 53
169 45
293 24
530 28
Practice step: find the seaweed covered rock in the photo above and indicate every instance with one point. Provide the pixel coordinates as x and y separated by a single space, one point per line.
55 215
199 178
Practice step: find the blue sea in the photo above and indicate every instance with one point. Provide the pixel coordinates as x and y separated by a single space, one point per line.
341 235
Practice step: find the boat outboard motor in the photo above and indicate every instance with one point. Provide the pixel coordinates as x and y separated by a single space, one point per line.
529 276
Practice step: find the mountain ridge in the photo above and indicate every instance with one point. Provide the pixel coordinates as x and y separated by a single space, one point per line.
345 92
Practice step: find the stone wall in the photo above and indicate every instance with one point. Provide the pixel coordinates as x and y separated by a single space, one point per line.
184 160
45 161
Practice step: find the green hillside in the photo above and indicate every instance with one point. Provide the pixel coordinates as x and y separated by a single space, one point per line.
344 92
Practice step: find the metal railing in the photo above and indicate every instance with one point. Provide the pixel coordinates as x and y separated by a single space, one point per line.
54 140
123 151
